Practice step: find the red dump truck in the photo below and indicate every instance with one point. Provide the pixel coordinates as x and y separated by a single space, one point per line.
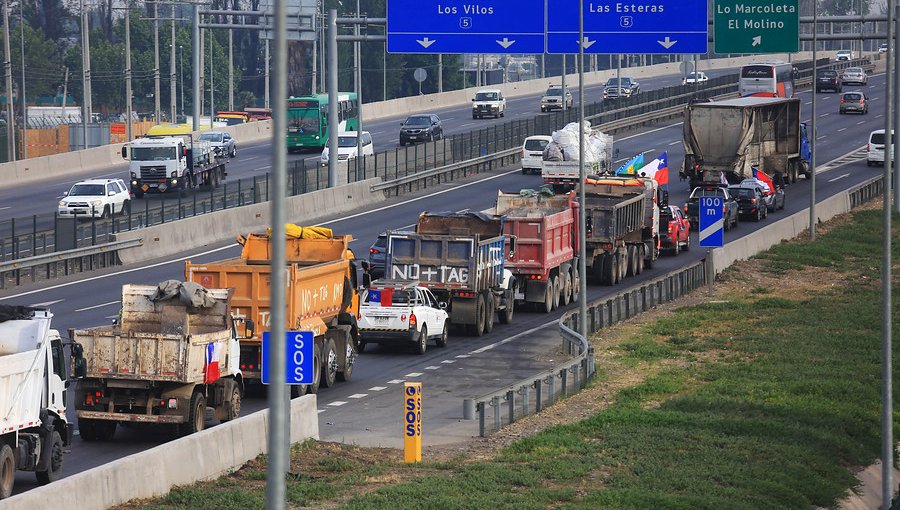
544 261
323 279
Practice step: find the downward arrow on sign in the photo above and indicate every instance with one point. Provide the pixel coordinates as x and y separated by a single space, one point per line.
506 43
667 43
425 42
587 43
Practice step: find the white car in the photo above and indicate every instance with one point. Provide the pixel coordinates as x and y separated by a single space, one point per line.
883 48
533 153
698 77
402 313
97 198
488 103
875 147
347 146
553 99
844 55
222 143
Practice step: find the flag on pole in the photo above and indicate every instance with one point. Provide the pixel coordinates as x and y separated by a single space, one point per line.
211 372
762 176
632 165
662 170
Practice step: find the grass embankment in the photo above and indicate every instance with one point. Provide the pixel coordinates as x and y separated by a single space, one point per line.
764 398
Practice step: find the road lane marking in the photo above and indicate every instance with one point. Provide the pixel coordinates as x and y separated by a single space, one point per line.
676 142
413 374
358 395
96 306
432 367
463 356
378 388
448 361
860 123
842 129
45 303
395 381
336 403
839 177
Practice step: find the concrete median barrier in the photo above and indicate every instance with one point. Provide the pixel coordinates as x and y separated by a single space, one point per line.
782 230
177 236
153 473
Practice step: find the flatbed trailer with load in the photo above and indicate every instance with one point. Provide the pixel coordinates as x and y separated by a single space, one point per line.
459 257
159 164
323 280
173 353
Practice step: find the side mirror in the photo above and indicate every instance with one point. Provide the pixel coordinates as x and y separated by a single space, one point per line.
442 305
124 152
512 246
79 365
110 193
473 99
65 193
249 328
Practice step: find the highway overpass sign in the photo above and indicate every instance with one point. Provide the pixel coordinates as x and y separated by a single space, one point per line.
616 26
756 26
451 26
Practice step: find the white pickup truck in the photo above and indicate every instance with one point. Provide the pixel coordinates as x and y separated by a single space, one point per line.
400 312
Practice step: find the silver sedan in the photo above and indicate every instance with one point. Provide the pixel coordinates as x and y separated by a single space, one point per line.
854 75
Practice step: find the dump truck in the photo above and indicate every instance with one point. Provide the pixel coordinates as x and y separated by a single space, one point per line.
33 425
173 353
160 164
459 257
728 138
323 280
544 262
621 227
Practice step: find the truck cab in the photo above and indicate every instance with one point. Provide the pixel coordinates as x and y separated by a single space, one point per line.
158 164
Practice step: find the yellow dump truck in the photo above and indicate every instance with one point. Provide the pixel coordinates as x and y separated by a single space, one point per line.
322 282
173 353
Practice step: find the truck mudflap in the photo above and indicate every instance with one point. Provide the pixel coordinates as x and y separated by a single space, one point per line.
129 417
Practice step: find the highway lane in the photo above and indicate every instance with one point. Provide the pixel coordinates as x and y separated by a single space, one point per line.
256 158
363 410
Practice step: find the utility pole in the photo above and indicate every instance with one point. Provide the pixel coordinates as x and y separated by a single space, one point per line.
7 68
332 94
196 51
230 65
212 104
86 108
896 100
357 75
157 109
173 104
440 72
24 102
128 127
267 74
202 51
65 92
315 52
582 247
812 136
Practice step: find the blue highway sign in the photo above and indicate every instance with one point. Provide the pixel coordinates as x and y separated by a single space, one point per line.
712 223
621 26
299 361
451 26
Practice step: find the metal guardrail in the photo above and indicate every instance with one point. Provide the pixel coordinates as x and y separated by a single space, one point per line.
101 255
518 400
862 193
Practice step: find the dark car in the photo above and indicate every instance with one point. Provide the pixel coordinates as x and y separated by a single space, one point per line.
377 255
828 79
421 128
775 199
629 86
856 101
729 210
751 201
676 230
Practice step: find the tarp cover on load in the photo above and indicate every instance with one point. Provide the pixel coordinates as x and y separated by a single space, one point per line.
297 232
189 293
466 223
564 145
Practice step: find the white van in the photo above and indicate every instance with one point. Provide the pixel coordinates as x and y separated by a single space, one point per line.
875 147
533 153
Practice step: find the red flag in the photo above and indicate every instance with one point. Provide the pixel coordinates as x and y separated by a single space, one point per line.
766 179
662 171
213 355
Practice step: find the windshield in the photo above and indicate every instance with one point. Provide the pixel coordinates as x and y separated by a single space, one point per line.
303 120
346 141
613 81
230 121
87 190
486 96
212 137
878 139
853 70
418 121
852 97
536 145
693 76
827 74
743 192
554 91
153 153
761 71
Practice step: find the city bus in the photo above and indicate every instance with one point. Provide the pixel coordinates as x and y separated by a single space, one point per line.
308 119
767 79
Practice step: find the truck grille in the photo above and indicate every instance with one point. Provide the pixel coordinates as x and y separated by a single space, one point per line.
153 172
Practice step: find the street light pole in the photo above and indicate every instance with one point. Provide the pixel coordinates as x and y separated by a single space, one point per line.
7 69
128 108
181 75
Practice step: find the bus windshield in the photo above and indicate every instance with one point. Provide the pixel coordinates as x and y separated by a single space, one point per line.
303 120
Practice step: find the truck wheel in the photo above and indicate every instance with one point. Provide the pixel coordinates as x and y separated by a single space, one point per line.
349 359
56 460
422 341
648 259
87 429
548 298
233 405
196 421
567 289
641 251
687 242
298 390
317 371
329 364
576 285
610 269
490 308
126 208
479 316
445 336
105 430
506 316
557 286
105 213
7 471
676 249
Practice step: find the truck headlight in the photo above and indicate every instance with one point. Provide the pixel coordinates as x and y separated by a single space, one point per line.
174 174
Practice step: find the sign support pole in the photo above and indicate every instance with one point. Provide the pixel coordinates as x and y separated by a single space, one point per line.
582 247
710 271
812 135
887 402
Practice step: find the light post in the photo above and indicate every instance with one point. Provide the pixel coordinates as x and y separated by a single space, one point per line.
181 75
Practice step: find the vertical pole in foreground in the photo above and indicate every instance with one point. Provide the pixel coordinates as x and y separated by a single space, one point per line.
157 108
582 263
196 50
267 102
86 72
812 132
357 83
887 404
896 98
128 99
7 70
173 102
279 413
332 98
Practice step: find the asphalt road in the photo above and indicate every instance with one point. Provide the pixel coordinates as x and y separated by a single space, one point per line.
366 410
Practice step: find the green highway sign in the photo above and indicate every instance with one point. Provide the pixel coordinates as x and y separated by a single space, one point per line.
756 26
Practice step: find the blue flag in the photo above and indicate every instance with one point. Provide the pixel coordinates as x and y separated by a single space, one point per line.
632 165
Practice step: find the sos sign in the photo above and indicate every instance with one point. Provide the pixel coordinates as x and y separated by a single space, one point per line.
298 357
412 422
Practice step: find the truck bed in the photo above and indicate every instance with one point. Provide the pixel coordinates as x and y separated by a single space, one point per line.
21 369
544 228
446 261
612 219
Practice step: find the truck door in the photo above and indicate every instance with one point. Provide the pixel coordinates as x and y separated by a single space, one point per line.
56 395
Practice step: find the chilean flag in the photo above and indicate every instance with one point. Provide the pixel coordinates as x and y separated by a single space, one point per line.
662 170
211 373
760 175
383 297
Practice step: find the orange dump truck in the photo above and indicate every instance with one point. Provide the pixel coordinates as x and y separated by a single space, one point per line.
322 282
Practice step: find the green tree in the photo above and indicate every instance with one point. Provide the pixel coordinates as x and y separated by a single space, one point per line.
43 62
